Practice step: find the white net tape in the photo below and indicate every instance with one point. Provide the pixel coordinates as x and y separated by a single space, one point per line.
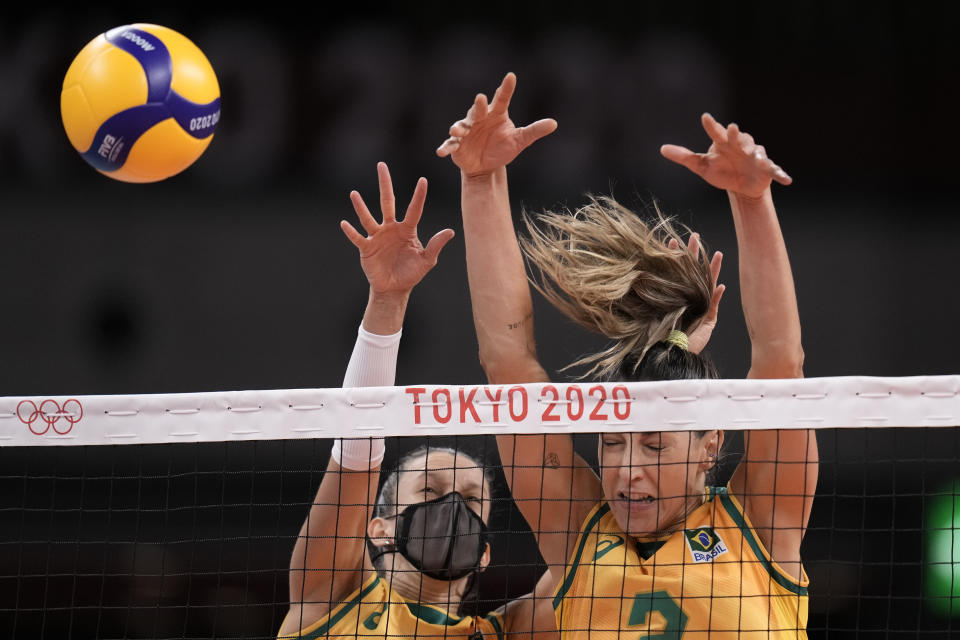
192 534
811 403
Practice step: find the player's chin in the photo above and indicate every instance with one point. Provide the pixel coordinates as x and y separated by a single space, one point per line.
636 518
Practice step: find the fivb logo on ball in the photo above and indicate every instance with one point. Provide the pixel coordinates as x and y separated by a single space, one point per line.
140 103
705 544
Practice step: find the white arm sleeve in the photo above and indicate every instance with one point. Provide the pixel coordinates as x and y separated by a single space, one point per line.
373 363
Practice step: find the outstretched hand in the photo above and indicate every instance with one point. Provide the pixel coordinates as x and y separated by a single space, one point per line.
733 162
698 338
486 139
391 255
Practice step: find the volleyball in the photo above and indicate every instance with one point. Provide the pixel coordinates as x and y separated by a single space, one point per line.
140 103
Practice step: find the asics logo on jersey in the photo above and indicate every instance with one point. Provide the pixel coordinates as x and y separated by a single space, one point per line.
607 545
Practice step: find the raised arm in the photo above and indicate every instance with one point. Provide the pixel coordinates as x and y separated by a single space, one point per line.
778 476
738 165
482 144
328 558
541 471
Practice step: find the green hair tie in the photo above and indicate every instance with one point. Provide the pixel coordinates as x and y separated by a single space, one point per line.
678 339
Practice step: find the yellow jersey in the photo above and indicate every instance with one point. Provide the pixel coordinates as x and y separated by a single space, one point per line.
713 579
377 611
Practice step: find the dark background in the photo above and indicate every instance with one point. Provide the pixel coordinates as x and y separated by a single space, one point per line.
234 274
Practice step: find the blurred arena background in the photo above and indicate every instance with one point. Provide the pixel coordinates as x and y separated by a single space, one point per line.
234 275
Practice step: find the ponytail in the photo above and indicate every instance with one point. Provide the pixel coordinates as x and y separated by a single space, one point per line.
612 273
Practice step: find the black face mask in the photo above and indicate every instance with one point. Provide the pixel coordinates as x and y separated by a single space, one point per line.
443 538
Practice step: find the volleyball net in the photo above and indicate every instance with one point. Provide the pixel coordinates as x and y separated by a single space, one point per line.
175 515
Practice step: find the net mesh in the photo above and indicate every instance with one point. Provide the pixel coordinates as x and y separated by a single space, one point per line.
194 540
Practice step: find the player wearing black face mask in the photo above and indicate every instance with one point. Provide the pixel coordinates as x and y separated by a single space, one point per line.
443 538
423 556
441 544
432 549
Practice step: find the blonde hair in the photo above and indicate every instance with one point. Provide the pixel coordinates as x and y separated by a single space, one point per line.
611 272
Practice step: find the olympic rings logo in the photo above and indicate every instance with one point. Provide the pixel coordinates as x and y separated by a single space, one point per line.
49 413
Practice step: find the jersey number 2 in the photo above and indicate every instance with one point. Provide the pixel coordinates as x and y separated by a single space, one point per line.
645 604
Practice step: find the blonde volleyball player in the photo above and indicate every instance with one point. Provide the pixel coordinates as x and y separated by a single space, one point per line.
646 547
337 588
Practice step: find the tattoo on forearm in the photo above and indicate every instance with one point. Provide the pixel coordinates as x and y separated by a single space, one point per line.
552 460
517 325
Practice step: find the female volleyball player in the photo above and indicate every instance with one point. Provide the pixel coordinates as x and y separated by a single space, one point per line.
646 546
427 525
335 588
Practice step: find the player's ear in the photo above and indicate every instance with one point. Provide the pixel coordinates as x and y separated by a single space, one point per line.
379 531
712 443
719 440
485 558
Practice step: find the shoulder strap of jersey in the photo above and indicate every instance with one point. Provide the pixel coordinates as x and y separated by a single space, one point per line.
496 621
590 524
733 509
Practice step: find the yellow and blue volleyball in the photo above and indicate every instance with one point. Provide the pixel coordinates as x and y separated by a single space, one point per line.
140 103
